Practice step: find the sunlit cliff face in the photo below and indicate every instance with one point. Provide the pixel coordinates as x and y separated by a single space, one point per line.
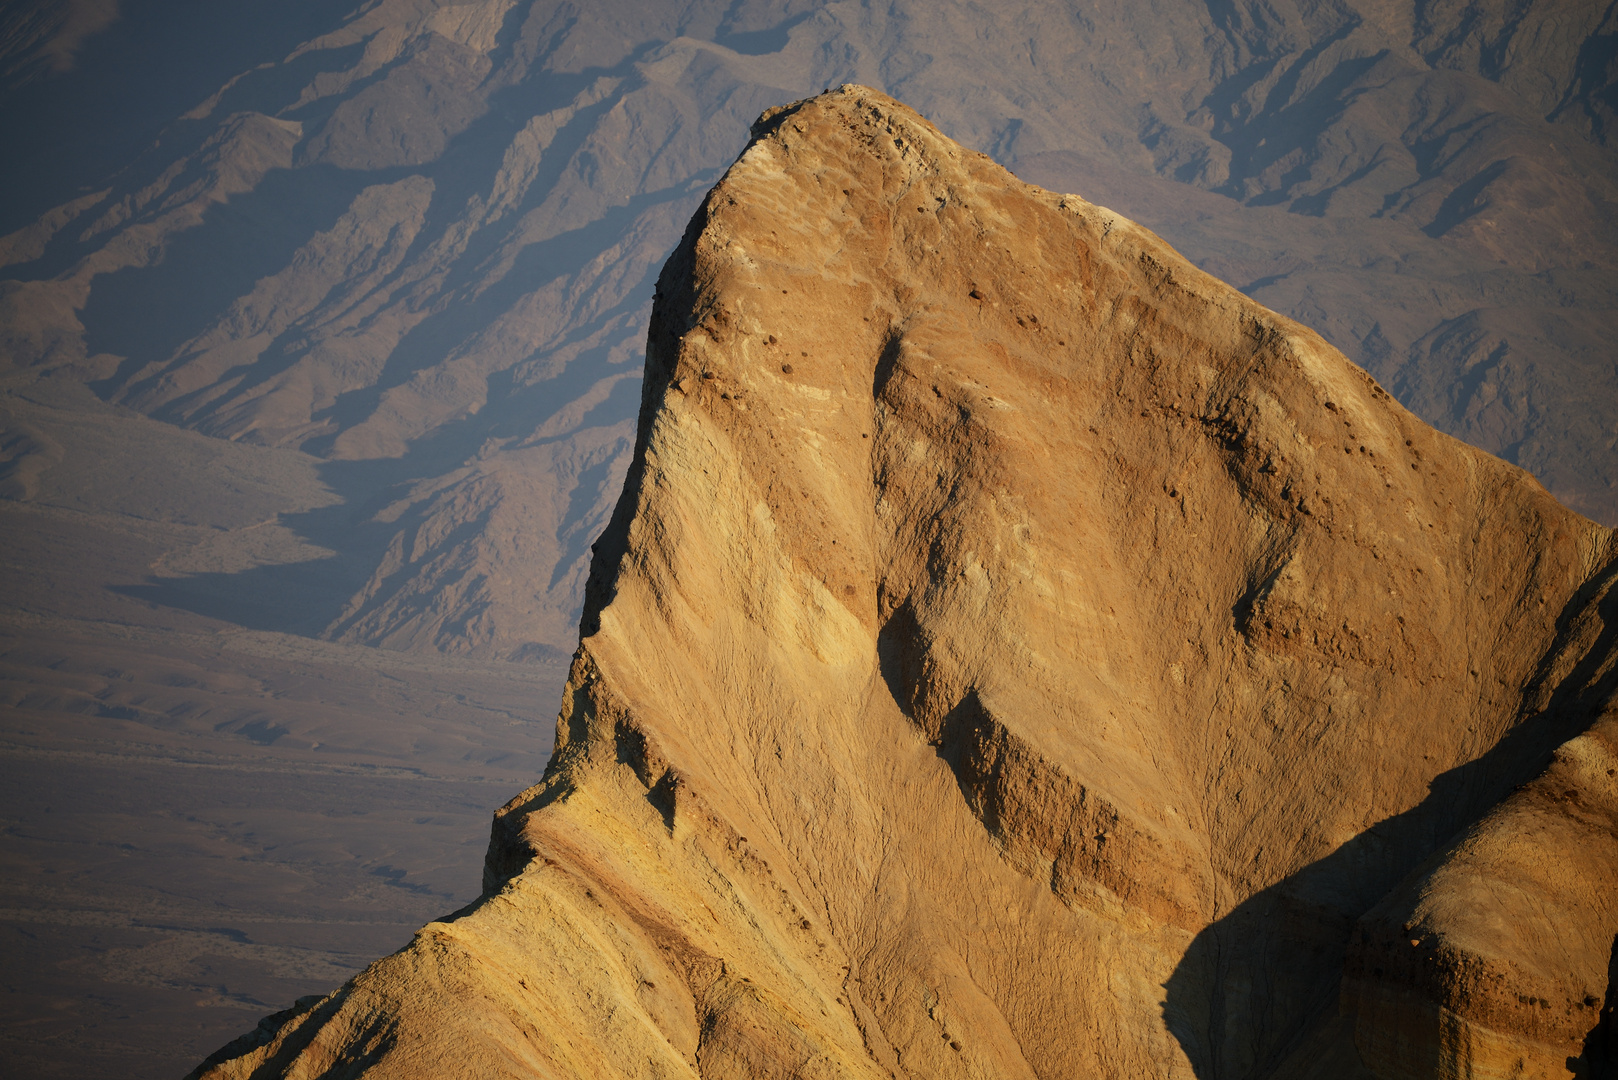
1008 628
322 335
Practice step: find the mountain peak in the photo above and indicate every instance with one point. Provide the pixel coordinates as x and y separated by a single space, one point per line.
1014 653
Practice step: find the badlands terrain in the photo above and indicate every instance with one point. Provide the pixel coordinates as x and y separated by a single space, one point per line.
321 341
1016 653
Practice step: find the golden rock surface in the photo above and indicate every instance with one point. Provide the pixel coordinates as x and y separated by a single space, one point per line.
1018 654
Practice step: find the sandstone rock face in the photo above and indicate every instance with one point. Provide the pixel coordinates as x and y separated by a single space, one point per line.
1016 653
327 321
418 243
1493 959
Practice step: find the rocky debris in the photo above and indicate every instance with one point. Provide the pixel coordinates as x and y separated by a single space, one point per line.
1014 653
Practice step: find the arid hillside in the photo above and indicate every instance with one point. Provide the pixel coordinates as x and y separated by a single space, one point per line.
418 247
322 334
1017 653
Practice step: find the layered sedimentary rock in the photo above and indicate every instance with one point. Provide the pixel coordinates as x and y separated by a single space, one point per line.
415 242
1494 958
1015 653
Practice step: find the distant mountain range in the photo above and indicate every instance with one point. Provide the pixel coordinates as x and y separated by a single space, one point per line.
418 246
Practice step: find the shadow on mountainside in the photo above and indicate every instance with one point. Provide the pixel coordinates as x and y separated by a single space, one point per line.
1257 980
147 313
305 596
312 597
1599 1054
70 130
582 377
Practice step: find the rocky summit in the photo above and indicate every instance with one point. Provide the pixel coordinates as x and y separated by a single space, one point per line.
1016 653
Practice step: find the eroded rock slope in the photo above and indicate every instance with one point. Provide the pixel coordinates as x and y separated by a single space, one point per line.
1015 653
416 241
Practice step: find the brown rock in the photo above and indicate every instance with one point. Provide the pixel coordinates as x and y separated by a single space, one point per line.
1492 960
1035 683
